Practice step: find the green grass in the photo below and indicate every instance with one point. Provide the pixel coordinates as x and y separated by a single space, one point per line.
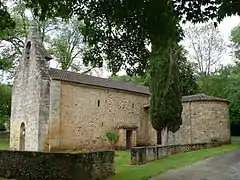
235 138
4 144
124 171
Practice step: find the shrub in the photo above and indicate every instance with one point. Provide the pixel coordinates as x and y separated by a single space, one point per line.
113 137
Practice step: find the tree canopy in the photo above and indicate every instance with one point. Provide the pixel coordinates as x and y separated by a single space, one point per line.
122 27
235 39
206 47
5 105
188 77
6 21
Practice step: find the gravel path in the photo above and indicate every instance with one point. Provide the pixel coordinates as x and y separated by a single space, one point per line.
224 167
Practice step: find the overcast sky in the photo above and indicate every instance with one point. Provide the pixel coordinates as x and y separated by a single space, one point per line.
225 28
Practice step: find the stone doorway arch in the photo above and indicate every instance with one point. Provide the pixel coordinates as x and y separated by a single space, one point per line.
127 136
22 137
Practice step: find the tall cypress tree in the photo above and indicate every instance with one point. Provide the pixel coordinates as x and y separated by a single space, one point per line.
166 92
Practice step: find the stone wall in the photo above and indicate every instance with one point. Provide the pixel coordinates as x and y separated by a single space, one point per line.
81 115
30 98
203 121
37 165
85 113
142 155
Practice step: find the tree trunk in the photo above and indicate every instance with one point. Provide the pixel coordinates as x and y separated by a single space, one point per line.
165 136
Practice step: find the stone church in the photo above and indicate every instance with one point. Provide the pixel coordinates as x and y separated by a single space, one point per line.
55 110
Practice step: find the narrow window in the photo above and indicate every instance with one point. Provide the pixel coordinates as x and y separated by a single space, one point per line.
132 105
22 137
28 47
98 103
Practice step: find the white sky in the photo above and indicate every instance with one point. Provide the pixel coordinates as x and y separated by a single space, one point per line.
225 28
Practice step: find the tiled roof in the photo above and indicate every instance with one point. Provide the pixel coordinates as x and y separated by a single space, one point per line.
198 97
202 97
73 77
62 75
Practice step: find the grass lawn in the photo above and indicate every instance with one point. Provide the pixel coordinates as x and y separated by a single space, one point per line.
4 144
124 171
235 138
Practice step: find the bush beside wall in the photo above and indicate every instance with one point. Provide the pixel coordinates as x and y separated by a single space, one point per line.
142 155
40 165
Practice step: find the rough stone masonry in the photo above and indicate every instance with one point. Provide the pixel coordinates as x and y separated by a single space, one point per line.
55 110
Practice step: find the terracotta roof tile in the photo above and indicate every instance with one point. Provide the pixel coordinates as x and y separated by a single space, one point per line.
198 97
202 97
62 75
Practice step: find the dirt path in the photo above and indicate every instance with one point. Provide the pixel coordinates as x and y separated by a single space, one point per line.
225 167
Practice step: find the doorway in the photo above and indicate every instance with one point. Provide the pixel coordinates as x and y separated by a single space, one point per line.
22 137
128 139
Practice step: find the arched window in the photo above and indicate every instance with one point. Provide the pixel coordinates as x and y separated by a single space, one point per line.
28 48
22 137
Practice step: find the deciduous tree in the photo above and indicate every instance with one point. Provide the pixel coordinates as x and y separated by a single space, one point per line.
206 47
5 105
67 46
235 39
187 75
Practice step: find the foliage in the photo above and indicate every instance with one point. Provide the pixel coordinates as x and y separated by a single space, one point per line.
12 40
6 20
118 32
138 80
124 27
64 39
5 105
187 75
126 172
112 136
235 39
206 47
67 46
225 83
166 93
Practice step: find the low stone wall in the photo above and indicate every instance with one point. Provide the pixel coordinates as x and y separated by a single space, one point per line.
40 165
142 155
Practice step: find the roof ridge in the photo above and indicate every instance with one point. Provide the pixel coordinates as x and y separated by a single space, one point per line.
74 77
